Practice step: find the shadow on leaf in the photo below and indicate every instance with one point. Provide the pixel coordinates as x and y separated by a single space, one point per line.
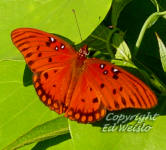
51 142
27 78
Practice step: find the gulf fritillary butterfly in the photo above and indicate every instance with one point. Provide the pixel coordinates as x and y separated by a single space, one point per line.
82 88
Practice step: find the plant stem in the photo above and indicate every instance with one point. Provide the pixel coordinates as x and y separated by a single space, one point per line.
148 23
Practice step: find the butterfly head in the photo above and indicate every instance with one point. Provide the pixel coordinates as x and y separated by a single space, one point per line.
83 52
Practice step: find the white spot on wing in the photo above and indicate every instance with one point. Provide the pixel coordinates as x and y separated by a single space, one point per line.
56 48
102 66
105 71
62 46
52 39
115 70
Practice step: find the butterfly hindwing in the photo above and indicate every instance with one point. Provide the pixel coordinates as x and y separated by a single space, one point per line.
52 86
86 103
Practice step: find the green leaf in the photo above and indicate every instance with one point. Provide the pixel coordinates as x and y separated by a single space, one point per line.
117 8
151 20
21 108
123 51
162 50
58 143
42 132
96 137
123 63
52 16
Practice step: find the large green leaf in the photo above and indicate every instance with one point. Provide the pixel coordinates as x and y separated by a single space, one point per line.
96 137
22 111
20 106
53 16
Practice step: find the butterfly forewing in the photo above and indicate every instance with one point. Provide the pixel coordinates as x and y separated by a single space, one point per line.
42 50
51 60
119 88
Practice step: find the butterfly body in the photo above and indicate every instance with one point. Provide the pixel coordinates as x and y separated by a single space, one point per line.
69 82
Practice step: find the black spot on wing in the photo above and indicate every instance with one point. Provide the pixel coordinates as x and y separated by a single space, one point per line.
114 91
30 63
102 85
50 59
121 88
95 100
28 55
115 77
116 104
48 44
83 100
123 101
46 75
40 54
38 47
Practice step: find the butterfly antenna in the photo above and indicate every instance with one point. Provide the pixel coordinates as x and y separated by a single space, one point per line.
73 10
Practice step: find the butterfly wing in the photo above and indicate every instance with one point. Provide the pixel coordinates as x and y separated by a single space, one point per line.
42 50
119 88
51 60
52 86
86 102
105 86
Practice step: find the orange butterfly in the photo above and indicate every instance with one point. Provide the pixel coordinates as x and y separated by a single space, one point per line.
68 82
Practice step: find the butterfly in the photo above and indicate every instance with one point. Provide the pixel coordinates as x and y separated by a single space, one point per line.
69 82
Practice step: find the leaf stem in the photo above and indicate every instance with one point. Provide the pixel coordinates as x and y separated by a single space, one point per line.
148 23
